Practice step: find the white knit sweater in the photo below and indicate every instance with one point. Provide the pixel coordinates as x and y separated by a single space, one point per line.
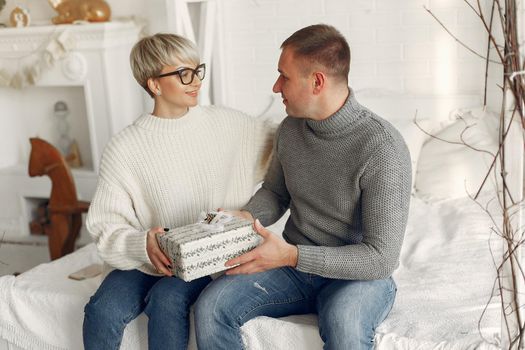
164 172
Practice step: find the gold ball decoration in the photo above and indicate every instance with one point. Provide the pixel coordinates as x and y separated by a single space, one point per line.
70 11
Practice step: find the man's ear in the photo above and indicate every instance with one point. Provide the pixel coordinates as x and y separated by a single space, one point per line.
319 82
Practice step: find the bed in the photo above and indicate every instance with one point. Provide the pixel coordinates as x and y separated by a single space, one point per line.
445 278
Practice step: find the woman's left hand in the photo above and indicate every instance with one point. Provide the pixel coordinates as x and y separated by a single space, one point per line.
155 254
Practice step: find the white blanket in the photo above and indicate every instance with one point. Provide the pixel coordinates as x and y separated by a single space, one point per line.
444 282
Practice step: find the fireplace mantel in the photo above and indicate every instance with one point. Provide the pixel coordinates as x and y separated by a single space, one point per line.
89 61
87 36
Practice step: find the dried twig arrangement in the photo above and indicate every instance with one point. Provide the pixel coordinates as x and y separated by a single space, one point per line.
503 48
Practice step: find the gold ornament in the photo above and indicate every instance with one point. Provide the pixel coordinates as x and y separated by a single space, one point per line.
19 17
70 11
73 158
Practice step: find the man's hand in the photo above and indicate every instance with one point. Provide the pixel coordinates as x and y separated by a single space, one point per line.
155 254
272 253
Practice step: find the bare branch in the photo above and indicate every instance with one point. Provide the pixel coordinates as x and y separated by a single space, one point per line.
509 231
457 40
1 241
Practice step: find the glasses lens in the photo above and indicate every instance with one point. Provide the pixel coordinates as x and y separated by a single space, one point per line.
201 72
186 76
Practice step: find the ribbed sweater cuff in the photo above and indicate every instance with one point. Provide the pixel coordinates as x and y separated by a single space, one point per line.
250 210
256 212
137 247
310 259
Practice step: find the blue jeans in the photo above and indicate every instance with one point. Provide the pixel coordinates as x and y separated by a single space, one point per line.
348 311
123 295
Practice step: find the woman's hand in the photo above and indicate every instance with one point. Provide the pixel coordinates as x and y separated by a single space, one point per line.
155 254
239 213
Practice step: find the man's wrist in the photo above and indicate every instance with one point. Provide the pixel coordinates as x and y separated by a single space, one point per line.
247 215
294 256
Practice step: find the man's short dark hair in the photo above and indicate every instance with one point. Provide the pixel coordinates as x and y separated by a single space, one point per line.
324 45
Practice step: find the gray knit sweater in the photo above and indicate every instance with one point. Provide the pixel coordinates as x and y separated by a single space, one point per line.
346 181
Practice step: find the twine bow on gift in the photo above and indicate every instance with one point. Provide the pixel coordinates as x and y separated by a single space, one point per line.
213 221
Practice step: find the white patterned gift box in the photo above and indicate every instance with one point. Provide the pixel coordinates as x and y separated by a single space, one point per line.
201 249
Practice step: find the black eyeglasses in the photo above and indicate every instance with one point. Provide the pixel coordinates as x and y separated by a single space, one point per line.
186 75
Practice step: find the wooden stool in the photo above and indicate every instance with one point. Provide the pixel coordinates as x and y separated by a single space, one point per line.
64 209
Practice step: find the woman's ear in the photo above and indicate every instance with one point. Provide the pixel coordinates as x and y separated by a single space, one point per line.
154 87
319 82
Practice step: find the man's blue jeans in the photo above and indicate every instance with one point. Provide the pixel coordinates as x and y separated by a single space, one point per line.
348 311
123 295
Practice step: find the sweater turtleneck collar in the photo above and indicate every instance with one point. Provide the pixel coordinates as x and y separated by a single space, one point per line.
153 123
340 120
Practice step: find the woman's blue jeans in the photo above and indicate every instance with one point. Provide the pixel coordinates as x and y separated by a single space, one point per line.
123 295
348 311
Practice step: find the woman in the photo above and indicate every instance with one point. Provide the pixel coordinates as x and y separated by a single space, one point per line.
161 172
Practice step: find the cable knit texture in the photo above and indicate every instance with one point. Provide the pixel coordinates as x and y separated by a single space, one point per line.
346 181
164 172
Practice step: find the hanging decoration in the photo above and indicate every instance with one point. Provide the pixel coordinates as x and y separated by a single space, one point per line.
42 59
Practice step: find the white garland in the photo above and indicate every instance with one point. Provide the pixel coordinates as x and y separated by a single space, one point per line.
55 49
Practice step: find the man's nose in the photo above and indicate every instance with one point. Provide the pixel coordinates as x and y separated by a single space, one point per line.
277 86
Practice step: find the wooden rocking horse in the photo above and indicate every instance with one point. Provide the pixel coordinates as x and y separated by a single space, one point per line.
64 209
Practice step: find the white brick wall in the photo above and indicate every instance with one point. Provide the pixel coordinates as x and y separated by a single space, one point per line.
395 44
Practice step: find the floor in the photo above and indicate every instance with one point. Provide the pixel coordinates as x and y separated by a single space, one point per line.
22 255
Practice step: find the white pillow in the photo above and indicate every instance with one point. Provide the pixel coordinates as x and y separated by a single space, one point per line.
414 138
400 110
448 170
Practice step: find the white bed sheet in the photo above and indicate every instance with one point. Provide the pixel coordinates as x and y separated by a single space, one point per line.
444 281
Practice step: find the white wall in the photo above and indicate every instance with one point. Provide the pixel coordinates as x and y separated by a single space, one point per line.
395 44
41 12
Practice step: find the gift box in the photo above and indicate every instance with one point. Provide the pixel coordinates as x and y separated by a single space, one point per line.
201 249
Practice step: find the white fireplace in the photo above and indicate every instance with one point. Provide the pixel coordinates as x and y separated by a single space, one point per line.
87 67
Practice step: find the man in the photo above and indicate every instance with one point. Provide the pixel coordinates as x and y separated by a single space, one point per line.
345 175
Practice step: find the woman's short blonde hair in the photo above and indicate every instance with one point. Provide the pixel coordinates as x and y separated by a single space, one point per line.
152 53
